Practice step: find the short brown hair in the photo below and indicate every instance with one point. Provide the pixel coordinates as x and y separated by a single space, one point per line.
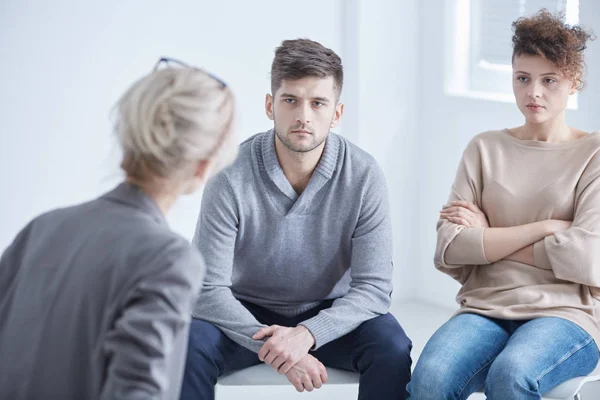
546 35
301 58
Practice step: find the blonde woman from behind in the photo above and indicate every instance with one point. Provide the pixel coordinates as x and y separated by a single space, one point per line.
95 299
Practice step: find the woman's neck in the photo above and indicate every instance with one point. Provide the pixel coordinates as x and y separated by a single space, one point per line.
163 195
555 130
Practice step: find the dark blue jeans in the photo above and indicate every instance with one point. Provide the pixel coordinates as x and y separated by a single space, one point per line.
378 349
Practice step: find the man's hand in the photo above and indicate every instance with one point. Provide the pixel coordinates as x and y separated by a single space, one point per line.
307 374
466 214
285 347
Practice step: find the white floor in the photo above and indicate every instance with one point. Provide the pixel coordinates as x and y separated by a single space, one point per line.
419 321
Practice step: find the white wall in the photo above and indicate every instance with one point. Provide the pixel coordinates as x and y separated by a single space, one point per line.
385 57
446 124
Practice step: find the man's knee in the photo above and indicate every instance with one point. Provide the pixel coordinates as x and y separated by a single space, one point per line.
392 350
203 348
390 345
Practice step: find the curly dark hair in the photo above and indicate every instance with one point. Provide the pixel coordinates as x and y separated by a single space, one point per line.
546 35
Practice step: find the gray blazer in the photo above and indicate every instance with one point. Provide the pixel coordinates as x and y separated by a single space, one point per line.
95 303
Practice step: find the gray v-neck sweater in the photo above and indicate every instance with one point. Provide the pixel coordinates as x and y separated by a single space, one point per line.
265 244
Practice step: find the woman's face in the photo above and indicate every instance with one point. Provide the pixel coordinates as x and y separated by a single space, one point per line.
541 89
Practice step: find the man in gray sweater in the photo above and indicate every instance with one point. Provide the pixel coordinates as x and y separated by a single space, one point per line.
297 241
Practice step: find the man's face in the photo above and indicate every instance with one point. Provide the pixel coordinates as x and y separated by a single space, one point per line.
303 111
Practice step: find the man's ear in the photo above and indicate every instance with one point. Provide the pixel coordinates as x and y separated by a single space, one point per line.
269 107
337 116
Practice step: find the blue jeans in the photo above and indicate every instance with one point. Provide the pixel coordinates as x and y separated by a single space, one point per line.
512 359
378 349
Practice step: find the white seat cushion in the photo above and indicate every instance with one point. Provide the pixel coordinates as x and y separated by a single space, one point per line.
263 374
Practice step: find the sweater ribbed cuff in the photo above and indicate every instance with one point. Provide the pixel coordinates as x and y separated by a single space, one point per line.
466 248
540 256
475 235
323 329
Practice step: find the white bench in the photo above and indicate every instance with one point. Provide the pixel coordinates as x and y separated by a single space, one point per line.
264 383
263 374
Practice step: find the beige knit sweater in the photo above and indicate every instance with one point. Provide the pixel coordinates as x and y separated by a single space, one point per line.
516 182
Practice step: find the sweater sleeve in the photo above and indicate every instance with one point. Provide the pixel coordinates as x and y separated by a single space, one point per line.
370 269
574 254
215 237
459 248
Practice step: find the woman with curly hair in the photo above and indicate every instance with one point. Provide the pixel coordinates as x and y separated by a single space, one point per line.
521 233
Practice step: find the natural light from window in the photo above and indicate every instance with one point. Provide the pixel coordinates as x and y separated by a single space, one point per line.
478 44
